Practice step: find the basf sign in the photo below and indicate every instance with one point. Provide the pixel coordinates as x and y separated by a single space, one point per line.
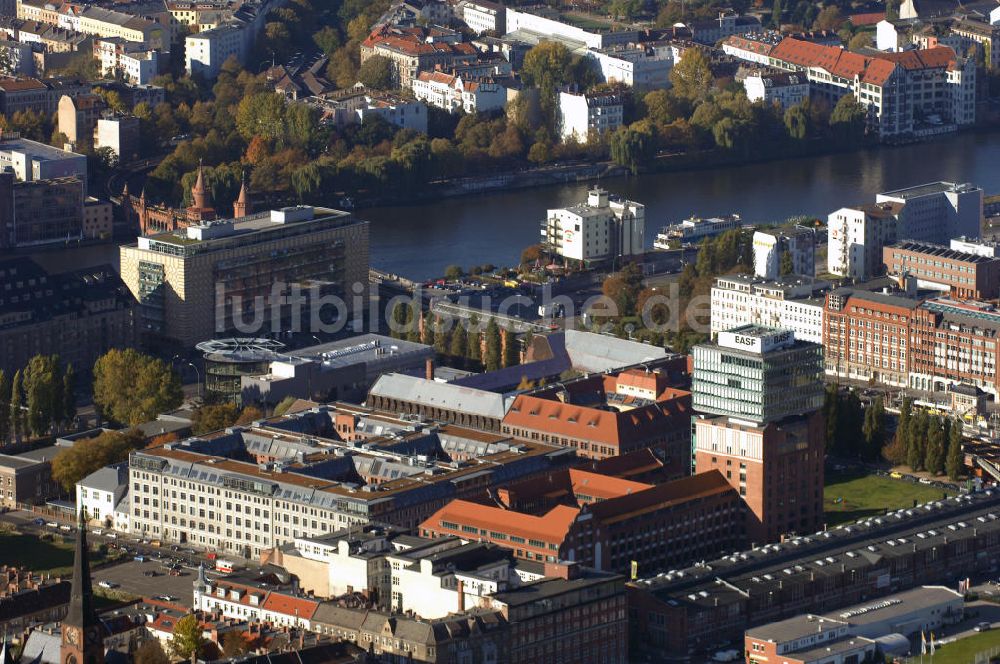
756 340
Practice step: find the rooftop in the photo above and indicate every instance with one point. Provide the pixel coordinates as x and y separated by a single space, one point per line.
941 251
929 189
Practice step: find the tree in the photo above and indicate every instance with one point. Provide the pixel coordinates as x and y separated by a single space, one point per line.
797 121
511 352
248 415
829 18
546 65
150 652
328 40
456 346
492 357
692 76
786 267
213 418
633 147
284 405
661 108
68 396
188 639
776 12
532 254
848 120
623 288
72 464
43 392
233 644
17 422
918 429
955 461
453 273
860 41
472 343
376 73
133 388
4 408
935 451
263 115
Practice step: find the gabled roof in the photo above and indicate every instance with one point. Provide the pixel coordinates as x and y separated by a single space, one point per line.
937 57
440 395
550 527
290 606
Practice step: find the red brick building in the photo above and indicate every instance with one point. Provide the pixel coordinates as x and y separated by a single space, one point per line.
602 522
608 415
952 342
968 276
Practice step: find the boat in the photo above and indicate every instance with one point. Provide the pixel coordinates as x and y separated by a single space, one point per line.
696 229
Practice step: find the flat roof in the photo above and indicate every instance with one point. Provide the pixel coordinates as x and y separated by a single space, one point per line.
930 188
37 150
940 251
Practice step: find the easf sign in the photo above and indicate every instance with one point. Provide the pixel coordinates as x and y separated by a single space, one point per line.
756 342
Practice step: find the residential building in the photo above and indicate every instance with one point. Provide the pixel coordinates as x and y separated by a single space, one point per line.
120 133
583 114
174 275
357 106
98 219
789 303
640 66
601 416
752 47
247 490
482 15
604 228
31 160
200 14
761 391
770 247
205 51
97 494
866 335
131 61
937 211
40 212
603 522
966 276
857 236
985 35
19 56
417 49
22 94
711 31
453 93
76 315
78 119
28 599
26 478
786 89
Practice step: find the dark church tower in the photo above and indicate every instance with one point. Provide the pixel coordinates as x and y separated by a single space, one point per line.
82 637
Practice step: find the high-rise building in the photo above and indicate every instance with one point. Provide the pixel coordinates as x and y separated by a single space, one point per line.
218 276
760 391
601 229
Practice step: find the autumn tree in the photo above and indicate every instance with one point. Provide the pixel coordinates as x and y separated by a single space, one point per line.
132 388
691 78
150 652
284 405
72 464
213 418
233 644
376 73
188 639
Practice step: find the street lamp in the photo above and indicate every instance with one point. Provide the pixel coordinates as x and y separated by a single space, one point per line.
181 360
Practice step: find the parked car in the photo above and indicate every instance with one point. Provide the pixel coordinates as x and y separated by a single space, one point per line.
983 627
140 559
38 522
108 584
150 572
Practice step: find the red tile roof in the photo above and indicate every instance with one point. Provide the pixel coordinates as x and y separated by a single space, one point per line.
869 18
290 606
551 527
938 57
601 486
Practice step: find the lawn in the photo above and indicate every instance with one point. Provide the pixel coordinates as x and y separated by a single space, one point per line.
849 496
39 555
964 651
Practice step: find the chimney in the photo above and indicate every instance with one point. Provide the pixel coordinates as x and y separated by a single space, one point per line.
461 596
429 368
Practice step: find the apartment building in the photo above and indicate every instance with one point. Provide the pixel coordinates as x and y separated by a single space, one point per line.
482 15
970 276
603 522
453 93
205 51
786 89
771 246
761 391
985 35
200 15
178 276
601 229
22 94
790 303
99 493
306 482
27 478
131 61
640 66
76 315
586 114
417 49
857 236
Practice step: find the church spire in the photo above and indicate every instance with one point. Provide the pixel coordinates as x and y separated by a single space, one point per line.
241 207
198 194
82 639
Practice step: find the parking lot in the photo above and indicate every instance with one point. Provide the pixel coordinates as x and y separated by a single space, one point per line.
130 579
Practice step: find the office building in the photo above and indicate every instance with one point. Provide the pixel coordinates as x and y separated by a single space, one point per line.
587 115
790 303
40 212
771 247
247 490
607 523
639 66
603 228
761 392
482 15
807 639
607 415
178 276
77 315
31 160
966 276
938 211
544 23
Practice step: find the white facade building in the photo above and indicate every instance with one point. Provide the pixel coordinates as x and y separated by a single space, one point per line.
770 246
937 211
120 133
204 52
100 492
645 67
481 15
452 93
581 114
600 229
135 63
793 303
784 88
857 237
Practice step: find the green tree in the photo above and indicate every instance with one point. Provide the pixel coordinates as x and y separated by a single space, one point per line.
188 639
132 388
848 120
776 12
661 108
873 429
43 391
457 344
472 343
691 78
72 464
860 41
17 416
511 350
69 395
376 73
453 273
546 65
214 418
442 337
935 451
4 408
261 114
151 652
493 356
919 427
328 39
786 267
797 121
427 338
633 147
955 461
829 18
284 405
400 319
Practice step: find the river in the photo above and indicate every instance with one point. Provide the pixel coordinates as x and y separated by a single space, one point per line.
420 240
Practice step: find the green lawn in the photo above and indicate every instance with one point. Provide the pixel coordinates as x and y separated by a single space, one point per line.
849 496
39 555
964 651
